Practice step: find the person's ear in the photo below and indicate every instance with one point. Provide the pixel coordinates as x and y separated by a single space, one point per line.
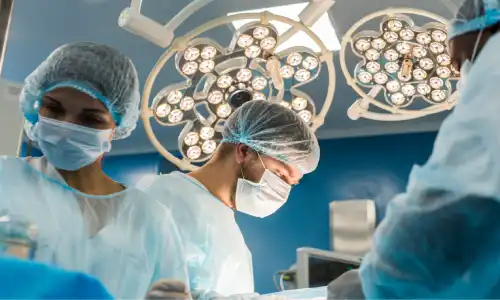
242 153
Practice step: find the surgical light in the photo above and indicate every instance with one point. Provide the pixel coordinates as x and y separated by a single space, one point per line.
220 79
311 13
404 62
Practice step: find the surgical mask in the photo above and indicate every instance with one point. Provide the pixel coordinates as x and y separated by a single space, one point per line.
68 146
263 198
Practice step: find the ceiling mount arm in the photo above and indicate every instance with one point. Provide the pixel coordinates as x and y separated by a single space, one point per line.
133 21
309 16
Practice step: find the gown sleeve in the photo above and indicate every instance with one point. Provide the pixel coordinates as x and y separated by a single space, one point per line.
172 259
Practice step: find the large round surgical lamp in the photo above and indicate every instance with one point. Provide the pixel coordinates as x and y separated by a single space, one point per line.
220 79
404 70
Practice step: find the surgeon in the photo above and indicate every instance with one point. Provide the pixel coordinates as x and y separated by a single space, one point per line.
80 99
441 239
266 149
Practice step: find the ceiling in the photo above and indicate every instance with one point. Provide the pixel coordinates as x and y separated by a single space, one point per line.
38 27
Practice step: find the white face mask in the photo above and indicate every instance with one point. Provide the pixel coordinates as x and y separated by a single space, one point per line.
69 146
264 198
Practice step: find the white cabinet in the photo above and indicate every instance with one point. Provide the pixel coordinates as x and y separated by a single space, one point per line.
352 223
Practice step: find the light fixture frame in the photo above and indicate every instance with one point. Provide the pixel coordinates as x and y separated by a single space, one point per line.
360 108
309 16
182 43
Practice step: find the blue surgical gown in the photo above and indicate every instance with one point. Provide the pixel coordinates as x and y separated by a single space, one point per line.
441 239
22 279
126 240
218 259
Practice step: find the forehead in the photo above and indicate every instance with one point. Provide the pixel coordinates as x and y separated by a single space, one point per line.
73 98
278 165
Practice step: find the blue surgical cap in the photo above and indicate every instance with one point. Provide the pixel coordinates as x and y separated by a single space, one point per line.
100 71
275 131
475 15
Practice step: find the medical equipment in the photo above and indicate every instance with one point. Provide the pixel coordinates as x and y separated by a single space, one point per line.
18 237
400 63
317 268
11 129
352 223
218 80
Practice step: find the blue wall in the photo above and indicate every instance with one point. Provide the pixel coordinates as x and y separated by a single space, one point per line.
357 168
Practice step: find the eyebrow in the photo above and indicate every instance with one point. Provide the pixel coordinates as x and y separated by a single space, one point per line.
88 110
52 99
95 110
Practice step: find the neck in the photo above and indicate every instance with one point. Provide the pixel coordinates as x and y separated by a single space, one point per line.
91 180
219 179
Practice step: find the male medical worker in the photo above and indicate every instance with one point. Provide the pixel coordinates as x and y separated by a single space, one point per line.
441 239
266 149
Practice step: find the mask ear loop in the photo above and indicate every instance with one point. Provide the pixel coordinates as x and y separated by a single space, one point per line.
476 46
261 161
264 165
241 170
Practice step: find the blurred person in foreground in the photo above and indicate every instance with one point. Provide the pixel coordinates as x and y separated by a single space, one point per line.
441 239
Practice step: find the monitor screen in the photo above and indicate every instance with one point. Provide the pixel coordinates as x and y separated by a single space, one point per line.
322 272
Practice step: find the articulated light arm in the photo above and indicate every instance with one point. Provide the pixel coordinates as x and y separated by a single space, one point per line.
309 16
133 21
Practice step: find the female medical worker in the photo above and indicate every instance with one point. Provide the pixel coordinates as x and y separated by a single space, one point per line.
441 239
83 96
